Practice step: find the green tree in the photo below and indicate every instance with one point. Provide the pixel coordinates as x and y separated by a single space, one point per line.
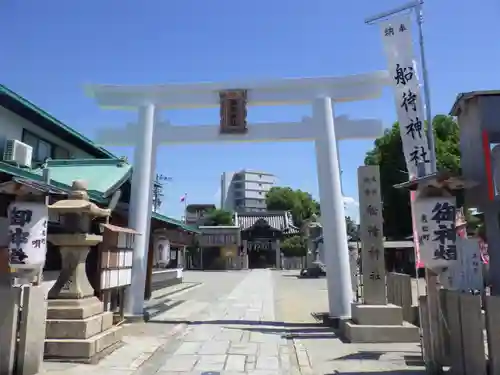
388 154
295 246
300 203
219 217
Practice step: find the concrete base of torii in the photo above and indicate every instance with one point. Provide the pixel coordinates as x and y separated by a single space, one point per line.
320 129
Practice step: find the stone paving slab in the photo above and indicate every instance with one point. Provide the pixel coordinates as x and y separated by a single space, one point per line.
234 333
232 336
318 350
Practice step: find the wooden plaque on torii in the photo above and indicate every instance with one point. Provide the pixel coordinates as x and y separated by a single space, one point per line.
233 111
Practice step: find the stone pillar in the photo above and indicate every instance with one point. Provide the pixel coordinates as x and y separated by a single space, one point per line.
372 236
332 211
277 254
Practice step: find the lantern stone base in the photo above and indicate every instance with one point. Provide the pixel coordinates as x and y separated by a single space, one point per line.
378 324
79 331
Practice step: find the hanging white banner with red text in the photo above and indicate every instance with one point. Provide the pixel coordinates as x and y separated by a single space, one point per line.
398 47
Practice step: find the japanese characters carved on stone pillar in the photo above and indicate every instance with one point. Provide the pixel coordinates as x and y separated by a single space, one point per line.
372 237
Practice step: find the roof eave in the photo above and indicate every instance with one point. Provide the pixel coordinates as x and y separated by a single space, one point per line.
32 113
111 190
464 96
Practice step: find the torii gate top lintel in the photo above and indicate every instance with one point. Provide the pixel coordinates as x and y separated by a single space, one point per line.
269 92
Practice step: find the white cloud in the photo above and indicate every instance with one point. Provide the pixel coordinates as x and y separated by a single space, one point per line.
351 207
350 201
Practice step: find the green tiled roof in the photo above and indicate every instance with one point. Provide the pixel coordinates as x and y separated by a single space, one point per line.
103 176
29 111
175 222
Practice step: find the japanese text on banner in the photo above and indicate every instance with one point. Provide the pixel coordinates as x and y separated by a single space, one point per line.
27 234
398 47
437 233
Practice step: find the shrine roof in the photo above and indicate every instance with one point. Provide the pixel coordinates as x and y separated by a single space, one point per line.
278 220
34 114
178 223
465 96
103 176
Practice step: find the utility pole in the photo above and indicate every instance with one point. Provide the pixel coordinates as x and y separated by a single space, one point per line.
160 180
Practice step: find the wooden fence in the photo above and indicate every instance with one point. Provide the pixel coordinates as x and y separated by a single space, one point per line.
22 330
399 292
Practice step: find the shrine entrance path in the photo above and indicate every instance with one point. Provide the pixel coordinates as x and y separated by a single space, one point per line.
242 322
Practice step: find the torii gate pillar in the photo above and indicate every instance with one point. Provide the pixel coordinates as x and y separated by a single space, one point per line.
332 215
320 129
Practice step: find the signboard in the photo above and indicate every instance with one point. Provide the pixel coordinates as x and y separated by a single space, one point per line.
27 234
233 111
398 47
466 273
437 232
372 237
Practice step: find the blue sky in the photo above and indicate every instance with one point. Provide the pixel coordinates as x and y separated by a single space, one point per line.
51 49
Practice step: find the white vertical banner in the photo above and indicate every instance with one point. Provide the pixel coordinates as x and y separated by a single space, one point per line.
27 234
398 46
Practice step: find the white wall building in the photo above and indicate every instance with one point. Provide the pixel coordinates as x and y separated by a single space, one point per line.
23 121
245 191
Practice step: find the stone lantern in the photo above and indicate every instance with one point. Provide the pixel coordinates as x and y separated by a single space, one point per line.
78 328
76 214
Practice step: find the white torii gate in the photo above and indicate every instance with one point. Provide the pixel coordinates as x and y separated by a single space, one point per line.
149 133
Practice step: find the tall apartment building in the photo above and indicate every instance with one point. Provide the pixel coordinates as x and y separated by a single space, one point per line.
245 191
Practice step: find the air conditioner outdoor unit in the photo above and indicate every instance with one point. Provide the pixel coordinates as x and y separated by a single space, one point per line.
17 152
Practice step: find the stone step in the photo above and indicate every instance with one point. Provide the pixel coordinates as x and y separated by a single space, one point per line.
74 309
78 328
356 333
377 315
82 350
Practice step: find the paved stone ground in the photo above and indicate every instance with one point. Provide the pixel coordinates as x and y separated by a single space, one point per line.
226 325
256 322
319 350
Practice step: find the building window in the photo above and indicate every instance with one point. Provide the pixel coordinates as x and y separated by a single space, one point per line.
43 149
